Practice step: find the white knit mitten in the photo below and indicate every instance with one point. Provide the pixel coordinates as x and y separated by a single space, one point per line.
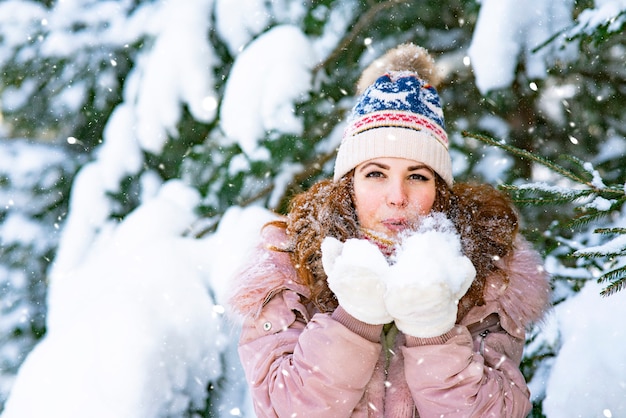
356 273
425 284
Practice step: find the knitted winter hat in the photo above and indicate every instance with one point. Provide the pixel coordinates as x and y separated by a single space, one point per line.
397 115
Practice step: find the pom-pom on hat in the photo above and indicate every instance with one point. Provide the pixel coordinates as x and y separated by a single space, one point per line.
398 114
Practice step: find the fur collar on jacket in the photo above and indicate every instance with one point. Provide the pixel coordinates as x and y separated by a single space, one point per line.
270 272
520 294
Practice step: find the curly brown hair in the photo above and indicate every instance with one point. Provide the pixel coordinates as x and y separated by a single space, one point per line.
487 222
484 217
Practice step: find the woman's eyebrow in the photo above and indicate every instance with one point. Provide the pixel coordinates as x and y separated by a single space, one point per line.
379 165
382 166
419 167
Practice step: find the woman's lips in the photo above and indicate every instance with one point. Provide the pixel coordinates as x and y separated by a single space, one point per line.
396 225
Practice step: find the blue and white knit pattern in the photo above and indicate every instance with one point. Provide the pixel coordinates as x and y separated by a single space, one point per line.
401 91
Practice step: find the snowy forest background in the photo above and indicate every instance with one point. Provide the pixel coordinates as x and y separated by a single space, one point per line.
144 142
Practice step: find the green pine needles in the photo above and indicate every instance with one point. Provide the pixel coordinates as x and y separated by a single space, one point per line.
592 200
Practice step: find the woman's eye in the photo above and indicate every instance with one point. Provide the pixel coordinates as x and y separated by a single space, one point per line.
420 177
374 174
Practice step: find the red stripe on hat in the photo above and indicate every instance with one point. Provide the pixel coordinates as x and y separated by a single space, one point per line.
396 119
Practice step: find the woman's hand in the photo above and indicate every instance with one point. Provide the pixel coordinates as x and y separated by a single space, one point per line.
425 284
356 273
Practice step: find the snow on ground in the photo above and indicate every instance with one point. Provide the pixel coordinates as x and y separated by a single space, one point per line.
588 377
137 328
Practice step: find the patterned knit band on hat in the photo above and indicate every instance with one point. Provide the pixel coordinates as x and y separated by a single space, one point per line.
398 115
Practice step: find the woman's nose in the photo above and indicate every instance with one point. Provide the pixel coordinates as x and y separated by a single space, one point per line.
397 196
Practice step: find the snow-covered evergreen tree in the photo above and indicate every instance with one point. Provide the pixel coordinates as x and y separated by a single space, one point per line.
180 115
36 179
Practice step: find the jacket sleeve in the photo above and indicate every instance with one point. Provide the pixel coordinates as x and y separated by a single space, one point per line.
452 376
300 368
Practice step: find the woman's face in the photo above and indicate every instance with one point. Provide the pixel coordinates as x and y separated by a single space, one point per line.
391 194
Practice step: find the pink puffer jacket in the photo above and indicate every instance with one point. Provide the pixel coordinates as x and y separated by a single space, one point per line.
302 363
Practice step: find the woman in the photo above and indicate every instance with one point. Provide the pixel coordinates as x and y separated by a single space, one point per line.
390 291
